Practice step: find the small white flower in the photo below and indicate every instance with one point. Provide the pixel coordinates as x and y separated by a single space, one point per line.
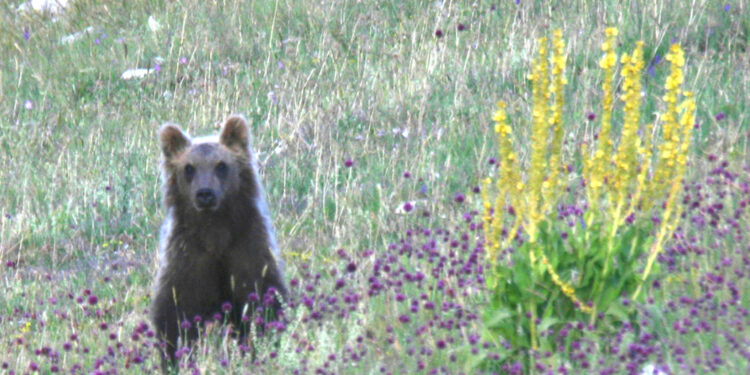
650 369
75 36
52 6
28 104
403 132
136 73
153 24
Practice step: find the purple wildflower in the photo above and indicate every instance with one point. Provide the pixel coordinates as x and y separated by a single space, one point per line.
408 206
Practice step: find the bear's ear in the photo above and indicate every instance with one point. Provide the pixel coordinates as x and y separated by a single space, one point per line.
173 140
235 134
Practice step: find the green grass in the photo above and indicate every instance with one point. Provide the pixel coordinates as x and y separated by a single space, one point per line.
321 82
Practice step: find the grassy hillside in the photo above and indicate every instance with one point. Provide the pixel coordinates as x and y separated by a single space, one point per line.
405 91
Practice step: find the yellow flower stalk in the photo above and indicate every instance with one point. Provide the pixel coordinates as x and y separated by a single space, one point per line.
552 187
599 165
566 288
669 149
626 158
672 210
539 135
644 149
509 185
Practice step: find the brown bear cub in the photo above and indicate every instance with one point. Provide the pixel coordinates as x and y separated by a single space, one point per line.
218 252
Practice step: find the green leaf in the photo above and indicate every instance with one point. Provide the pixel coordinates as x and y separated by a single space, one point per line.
546 323
475 361
497 317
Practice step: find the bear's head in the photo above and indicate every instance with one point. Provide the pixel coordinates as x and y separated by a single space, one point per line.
206 171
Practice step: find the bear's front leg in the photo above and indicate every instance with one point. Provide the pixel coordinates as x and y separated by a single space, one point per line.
187 288
251 277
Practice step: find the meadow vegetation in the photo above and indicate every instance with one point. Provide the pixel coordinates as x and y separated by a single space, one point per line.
375 125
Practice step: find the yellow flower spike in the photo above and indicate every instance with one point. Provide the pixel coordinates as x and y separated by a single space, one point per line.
625 158
553 184
667 153
509 185
679 139
599 169
566 288
539 132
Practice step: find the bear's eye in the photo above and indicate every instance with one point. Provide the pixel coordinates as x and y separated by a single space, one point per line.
189 172
221 169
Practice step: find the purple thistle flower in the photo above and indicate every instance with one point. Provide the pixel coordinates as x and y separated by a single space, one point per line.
253 297
460 198
348 163
591 116
439 33
226 307
461 27
93 300
720 116
407 174
351 267
630 219
408 206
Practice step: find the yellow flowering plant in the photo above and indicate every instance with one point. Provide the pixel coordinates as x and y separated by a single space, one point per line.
547 272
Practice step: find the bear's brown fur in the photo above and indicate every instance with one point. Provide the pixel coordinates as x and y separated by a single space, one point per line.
217 243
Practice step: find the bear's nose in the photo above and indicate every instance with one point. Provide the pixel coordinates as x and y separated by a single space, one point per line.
205 197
